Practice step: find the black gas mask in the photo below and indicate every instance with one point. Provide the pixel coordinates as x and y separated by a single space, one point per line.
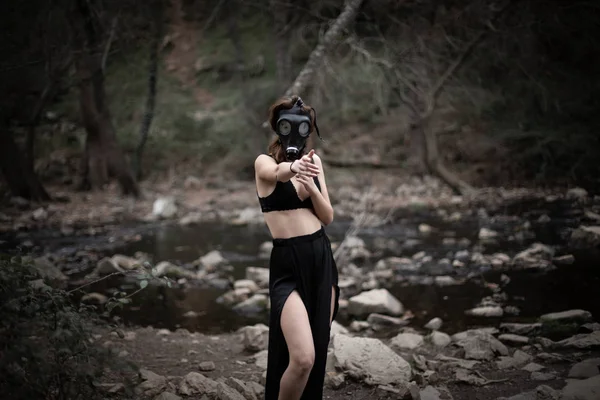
293 129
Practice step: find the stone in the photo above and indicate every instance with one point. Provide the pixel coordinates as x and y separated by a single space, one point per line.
259 275
582 341
226 392
194 383
520 329
152 384
260 359
206 366
514 339
586 389
567 316
488 311
246 284
375 301
371 360
585 369
440 339
256 337
519 358
432 393
167 396
585 237
542 376
164 207
485 233
537 256
385 320
533 367
336 328
434 324
479 344
567 259
408 341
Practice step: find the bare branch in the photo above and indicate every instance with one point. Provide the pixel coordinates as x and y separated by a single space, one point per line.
111 36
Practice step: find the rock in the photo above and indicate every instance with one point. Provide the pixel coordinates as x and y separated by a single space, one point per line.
537 256
152 384
408 341
399 264
264 251
192 182
167 396
194 383
336 328
258 275
533 367
457 362
577 193
518 359
374 301
590 327
542 376
445 280
212 259
567 316
479 344
261 358
585 237
165 268
206 366
514 339
585 369
489 311
485 233
334 380
192 218
39 214
431 393
49 272
434 324
255 338
254 305
567 259
439 339
243 388
425 229
164 207
582 341
520 329
247 216
226 392
467 377
384 320
587 389
371 360
357 326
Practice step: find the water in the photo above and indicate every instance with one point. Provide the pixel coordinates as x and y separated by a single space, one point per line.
533 293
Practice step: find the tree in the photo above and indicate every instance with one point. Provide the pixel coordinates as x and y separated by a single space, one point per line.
18 172
152 81
420 89
103 158
281 29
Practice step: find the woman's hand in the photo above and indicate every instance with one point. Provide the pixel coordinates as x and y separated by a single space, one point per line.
305 166
309 183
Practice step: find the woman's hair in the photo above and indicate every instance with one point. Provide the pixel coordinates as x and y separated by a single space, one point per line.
275 150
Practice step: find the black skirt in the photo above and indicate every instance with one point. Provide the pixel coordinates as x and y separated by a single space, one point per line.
305 264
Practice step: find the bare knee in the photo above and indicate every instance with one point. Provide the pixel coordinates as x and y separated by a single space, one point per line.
302 361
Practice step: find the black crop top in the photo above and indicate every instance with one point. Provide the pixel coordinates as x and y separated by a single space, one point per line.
285 197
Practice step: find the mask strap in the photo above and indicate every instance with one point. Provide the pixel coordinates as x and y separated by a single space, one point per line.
316 126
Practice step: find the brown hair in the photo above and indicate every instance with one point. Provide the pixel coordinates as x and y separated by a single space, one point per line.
285 103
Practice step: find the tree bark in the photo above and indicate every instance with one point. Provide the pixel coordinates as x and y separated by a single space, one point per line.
152 84
20 176
103 157
329 40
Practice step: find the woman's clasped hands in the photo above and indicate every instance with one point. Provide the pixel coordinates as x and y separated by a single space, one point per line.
306 170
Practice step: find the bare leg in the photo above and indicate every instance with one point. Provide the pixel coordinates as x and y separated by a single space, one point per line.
332 305
299 340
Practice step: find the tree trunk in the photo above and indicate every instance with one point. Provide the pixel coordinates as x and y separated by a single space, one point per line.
20 176
281 30
435 164
152 82
329 40
103 157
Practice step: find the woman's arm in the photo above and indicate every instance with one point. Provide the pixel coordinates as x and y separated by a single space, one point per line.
320 199
268 170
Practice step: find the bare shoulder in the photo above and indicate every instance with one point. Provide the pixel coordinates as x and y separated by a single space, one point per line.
317 160
263 159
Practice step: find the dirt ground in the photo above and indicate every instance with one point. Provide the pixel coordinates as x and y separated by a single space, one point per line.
177 353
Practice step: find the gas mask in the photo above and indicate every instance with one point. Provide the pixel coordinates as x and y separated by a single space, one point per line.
293 129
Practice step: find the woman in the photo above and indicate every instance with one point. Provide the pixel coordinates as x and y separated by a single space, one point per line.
303 276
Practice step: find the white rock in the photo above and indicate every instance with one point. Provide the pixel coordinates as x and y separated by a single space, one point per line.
164 207
566 316
512 338
336 328
439 339
582 341
519 358
370 360
246 284
259 275
407 341
485 233
374 301
434 324
488 311
585 369
256 337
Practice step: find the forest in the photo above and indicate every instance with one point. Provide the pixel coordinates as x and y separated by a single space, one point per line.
461 147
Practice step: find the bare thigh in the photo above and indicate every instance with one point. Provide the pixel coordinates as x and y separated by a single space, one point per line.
296 330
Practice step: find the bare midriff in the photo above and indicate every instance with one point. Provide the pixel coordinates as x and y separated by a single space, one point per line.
292 223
